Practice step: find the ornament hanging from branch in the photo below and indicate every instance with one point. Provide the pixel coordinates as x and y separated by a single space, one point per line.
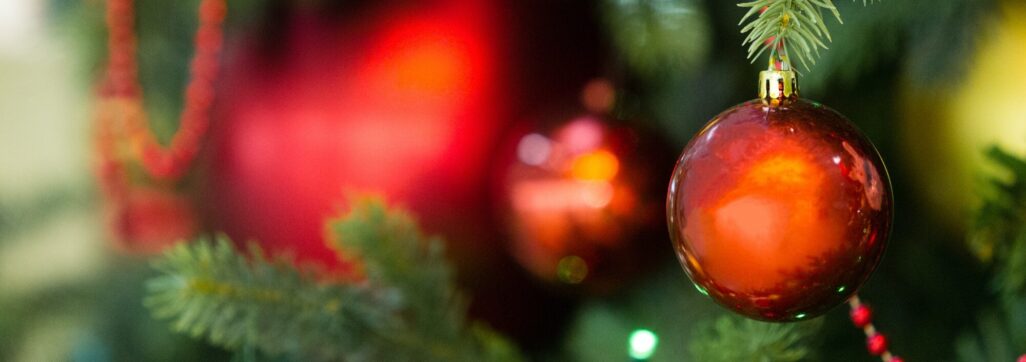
780 208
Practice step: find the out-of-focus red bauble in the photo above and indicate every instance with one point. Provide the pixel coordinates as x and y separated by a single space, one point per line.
582 203
400 99
779 212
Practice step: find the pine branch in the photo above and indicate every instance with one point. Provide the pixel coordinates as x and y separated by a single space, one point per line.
211 291
406 309
393 252
992 339
998 235
788 28
735 339
656 36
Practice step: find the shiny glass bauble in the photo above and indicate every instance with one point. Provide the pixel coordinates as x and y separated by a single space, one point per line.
581 202
403 101
779 212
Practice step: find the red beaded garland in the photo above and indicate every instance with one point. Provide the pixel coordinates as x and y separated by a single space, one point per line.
122 86
146 214
877 344
861 316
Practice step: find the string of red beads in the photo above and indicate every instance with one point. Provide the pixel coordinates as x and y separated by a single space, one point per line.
171 162
876 342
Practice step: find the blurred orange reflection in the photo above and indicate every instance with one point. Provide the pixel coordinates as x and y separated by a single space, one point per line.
598 165
574 212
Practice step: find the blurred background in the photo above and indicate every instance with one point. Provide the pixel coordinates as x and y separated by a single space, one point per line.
536 137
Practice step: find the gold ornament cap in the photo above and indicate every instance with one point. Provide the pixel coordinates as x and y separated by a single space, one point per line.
778 86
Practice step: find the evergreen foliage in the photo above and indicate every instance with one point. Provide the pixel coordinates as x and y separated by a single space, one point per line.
406 309
659 37
796 26
999 232
245 300
732 338
919 36
998 238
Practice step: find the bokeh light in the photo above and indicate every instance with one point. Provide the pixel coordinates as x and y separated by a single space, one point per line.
642 344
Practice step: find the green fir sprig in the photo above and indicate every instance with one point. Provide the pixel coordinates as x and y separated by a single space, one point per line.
998 238
998 235
733 338
788 28
405 307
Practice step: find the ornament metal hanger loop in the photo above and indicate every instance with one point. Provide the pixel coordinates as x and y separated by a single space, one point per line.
778 85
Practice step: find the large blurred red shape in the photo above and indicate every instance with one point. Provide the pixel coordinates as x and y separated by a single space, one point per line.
399 100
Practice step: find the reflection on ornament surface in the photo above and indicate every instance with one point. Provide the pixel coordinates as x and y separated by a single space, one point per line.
578 202
779 213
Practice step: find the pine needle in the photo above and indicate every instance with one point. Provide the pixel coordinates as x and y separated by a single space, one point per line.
408 308
210 291
998 235
788 28
735 339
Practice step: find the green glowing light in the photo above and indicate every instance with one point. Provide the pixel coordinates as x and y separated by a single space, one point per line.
799 316
642 343
841 289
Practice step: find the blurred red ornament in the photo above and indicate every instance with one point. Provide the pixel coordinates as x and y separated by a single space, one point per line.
582 203
398 99
779 209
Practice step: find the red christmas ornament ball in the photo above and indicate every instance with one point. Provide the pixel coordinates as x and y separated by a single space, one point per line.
399 99
779 212
581 203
